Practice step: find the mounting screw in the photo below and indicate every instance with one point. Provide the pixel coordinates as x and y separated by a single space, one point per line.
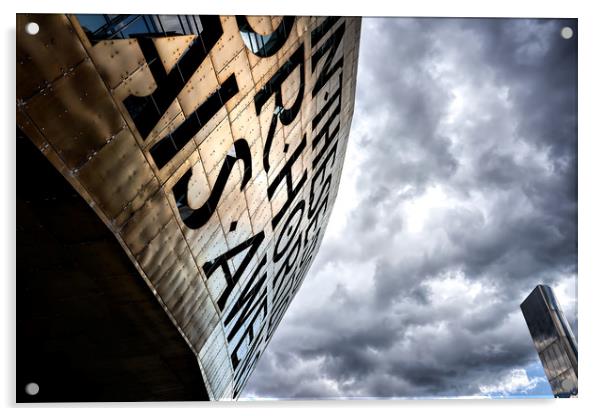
32 389
32 28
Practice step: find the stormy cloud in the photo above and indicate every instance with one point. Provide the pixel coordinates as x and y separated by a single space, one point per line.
458 196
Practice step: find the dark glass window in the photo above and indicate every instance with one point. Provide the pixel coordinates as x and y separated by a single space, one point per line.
172 25
137 26
199 25
91 22
123 26
265 45
194 25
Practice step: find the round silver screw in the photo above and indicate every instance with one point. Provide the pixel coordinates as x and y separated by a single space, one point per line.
32 389
32 28
566 32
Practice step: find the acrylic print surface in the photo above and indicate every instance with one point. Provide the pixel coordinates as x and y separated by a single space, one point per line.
258 207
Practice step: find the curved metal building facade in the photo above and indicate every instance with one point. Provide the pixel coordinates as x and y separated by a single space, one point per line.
211 147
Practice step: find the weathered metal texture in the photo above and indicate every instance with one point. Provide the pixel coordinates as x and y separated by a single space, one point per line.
215 167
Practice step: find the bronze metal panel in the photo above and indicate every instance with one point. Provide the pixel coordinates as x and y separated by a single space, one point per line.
215 147
261 24
146 223
228 46
117 59
213 345
76 115
275 21
246 124
215 124
265 117
293 136
199 328
262 70
238 108
171 48
46 56
122 164
32 131
256 188
261 215
239 66
139 83
168 122
291 87
231 212
203 83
